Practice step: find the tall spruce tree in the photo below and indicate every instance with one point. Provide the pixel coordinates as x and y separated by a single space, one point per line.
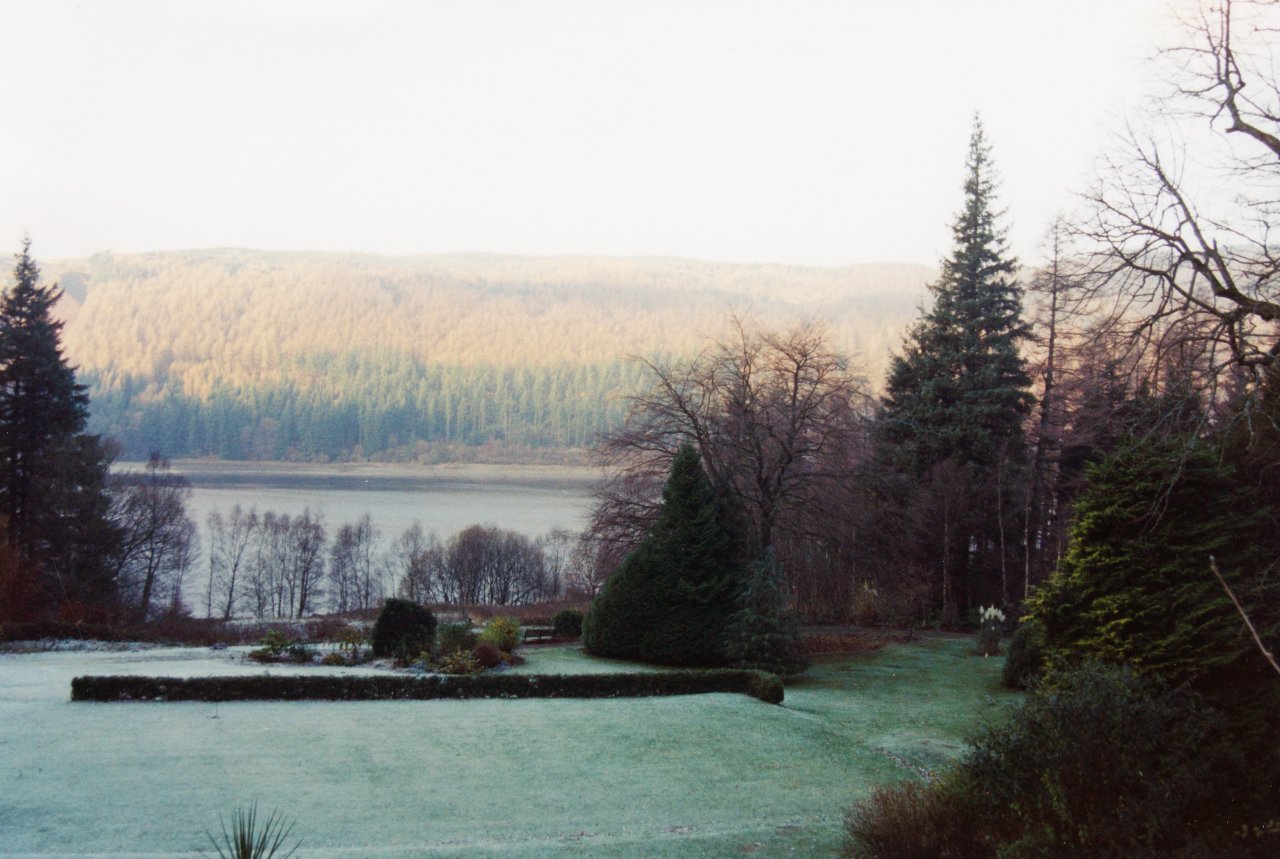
48 468
951 418
671 598
960 389
40 401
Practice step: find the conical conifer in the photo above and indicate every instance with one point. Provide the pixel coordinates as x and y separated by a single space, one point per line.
670 599
959 389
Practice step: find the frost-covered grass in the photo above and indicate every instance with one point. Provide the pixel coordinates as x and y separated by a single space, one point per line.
705 775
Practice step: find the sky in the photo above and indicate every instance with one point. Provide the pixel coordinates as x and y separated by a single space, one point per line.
801 132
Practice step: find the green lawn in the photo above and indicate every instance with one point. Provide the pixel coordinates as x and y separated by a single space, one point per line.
706 775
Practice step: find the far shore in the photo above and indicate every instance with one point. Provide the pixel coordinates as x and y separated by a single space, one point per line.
213 472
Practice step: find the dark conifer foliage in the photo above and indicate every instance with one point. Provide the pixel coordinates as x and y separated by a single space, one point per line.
52 476
670 600
761 634
1136 584
951 419
40 400
960 390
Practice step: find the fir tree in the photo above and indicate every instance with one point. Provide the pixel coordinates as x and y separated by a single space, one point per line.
760 634
40 401
951 419
670 599
960 390
52 476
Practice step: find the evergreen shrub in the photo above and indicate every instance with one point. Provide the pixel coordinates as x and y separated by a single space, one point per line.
567 623
760 634
503 633
1135 585
671 598
1025 659
403 630
758 684
1106 763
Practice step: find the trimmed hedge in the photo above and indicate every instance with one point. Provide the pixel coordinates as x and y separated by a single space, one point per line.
758 684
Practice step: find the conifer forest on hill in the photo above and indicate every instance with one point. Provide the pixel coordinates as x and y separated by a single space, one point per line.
315 357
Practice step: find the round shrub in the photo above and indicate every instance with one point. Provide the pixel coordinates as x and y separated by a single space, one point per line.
503 633
487 655
403 630
568 623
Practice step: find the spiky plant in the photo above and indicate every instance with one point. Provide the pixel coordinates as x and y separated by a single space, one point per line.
246 841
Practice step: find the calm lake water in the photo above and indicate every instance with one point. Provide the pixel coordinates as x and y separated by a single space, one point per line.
530 499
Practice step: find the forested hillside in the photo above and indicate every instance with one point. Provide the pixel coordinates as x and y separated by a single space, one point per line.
245 354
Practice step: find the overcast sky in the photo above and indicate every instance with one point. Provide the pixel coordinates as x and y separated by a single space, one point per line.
799 132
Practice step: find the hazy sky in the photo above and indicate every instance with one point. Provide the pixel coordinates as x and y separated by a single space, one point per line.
799 132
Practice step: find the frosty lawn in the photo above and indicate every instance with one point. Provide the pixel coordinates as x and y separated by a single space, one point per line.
713 775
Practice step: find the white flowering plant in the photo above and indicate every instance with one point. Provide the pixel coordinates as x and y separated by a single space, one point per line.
990 619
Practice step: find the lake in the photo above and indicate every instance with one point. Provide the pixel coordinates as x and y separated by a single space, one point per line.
530 499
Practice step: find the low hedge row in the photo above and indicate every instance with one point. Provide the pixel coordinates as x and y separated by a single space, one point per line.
758 684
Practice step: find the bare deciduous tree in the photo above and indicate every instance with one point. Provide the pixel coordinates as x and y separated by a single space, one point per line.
767 412
230 553
355 577
158 537
1180 257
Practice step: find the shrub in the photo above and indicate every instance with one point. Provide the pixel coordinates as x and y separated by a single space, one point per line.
990 620
455 637
1105 764
1135 585
567 623
760 634
914 820
503 633
671 598
487 655
759 684
334 659
1025 659
459 662
278 647
1109 763
402 630
350 638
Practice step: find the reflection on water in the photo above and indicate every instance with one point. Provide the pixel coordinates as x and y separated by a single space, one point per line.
527 499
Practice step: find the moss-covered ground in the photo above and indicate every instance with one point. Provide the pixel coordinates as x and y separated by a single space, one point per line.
706 775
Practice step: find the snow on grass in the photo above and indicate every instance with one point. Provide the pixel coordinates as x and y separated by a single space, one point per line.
709 775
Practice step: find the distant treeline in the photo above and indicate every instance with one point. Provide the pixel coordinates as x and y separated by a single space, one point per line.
253 355
367 406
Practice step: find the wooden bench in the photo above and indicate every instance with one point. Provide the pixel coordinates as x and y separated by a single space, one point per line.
534 634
